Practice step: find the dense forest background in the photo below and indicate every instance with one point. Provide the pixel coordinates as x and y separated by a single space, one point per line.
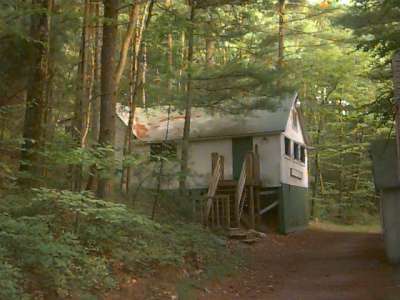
65 64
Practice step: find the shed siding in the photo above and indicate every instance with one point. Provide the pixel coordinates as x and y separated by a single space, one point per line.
269 149
120 131
289 165
295 134
200 161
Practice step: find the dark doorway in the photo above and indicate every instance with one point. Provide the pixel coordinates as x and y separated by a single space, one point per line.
240 147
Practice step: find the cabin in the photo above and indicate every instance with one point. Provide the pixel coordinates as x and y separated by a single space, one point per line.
255 160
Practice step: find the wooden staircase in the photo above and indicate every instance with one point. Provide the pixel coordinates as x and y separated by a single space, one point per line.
233 204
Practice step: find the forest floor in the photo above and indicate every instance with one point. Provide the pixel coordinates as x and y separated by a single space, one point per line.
322 263
325 262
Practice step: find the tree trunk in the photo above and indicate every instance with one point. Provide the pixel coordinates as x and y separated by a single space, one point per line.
97 76
82 96
170 42
35 112
137 49
396 86
188 108
133 15
144 76
281 42
183 60
95 90
108 90
210 51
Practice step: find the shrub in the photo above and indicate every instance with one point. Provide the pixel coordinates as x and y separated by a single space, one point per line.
60 242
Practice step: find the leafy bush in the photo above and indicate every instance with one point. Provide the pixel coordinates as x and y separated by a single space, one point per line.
60 242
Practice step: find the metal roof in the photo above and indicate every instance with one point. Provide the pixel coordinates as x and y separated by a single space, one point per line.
155 124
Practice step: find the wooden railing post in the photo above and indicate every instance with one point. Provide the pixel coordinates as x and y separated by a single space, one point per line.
222 161
214 161
258 207
257 167
240 189
251 207
212 188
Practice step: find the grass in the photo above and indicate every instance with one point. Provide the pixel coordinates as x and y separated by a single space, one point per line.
373 227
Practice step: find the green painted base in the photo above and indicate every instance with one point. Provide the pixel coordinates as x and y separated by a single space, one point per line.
293 208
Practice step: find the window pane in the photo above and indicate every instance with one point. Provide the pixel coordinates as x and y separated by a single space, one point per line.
296 153
167 150
287 147
303 154
155 151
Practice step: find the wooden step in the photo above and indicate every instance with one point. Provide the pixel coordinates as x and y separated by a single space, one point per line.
245 236
237 233
250 240
227 183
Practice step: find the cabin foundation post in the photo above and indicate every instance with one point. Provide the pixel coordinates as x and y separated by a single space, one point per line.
258 207
228 211
251 207
237 211
217 211
213 215
223 210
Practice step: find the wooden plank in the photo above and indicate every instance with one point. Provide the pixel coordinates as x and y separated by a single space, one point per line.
217 212
214 160
249 167
222 161
228 212
239 191
251 208
213 185
268 208
257 165
212 215
203 221
267 193
258 207
223 210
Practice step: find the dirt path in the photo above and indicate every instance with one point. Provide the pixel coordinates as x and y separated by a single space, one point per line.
312 265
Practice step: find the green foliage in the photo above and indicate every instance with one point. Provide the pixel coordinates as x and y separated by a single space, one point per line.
60 242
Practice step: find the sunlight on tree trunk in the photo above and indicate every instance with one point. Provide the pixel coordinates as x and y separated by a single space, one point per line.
396 94
108 90
188 104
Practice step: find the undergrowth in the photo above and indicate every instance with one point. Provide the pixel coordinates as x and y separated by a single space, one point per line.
58 244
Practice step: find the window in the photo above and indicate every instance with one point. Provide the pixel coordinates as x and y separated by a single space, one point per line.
296 151
303 154
288 147
162 150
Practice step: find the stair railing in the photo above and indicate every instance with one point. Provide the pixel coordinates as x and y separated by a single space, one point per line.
212 188
239 196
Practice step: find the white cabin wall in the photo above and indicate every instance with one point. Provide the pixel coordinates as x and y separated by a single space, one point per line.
120 132
142 174
200 161
269 149
295 134
288 163
199 165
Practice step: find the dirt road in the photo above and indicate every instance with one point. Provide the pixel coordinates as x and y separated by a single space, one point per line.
312 265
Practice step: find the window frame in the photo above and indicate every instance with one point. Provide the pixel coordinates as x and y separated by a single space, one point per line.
168 150
296 151
303 154
288 147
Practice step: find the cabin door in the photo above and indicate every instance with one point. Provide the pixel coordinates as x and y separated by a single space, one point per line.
240 147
